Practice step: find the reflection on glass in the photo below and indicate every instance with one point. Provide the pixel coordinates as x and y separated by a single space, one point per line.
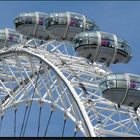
90 25
74 21
123 45
134 78
62 20
14 38
85 40
111 84
55 21
103 86
47 22
138 86
110 77
80 41
42 15
2 36
121 84
107 36
107 40
41 21
120 77
93 40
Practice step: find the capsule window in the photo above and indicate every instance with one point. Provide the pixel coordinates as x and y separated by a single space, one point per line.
89 26
61 14
83 34
28 14
30 20
93 40
53 21
78 41
76 16
84 40
121 84
127 49
110 77
47 22
41 21
134 78
25 20
120 77
105 42
21 15
19 21
121 46
63 20
76 22
12 32
96 28
2 36
111 84
103 86
42 15
53 14
138 86
14 38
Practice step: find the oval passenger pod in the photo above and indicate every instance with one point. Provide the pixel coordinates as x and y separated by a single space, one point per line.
31 25
102 47
122 89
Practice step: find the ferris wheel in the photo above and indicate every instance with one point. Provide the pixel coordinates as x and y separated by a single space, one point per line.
55 79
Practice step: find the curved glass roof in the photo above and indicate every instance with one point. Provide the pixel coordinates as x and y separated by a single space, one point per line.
31 14
75 18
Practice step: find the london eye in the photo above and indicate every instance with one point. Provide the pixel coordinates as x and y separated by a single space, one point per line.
55 79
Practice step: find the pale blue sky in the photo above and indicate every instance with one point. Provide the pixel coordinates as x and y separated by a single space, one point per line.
119 17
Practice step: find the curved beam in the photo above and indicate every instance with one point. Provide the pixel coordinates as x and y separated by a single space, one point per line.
67 83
